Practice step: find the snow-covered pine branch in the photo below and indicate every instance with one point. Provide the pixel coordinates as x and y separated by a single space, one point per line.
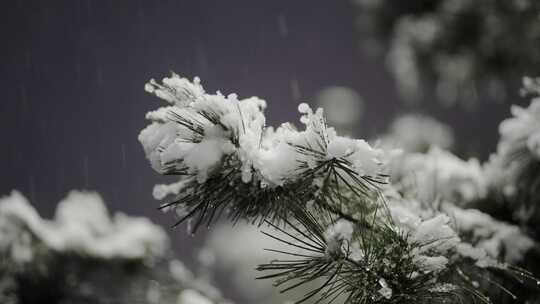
322 194
229 159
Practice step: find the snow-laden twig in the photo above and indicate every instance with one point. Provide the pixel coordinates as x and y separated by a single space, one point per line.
322 194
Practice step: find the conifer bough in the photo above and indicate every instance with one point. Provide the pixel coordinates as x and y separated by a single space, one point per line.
324 194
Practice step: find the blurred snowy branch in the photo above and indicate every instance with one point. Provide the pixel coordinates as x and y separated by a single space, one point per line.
85 256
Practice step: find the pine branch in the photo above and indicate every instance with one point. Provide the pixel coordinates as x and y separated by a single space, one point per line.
322 193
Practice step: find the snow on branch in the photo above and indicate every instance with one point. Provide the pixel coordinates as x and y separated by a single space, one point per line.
326 198
85 255
81 225
220 146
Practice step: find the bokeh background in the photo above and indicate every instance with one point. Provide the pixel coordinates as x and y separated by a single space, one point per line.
73 72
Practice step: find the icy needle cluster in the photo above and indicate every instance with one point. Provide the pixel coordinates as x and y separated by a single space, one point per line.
220 146
200 131
322 196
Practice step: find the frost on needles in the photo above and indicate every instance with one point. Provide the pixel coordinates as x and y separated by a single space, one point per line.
326 197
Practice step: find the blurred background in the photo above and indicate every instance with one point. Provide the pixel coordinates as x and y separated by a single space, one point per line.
73 74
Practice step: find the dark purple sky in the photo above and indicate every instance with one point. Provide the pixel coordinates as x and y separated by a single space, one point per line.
73 74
